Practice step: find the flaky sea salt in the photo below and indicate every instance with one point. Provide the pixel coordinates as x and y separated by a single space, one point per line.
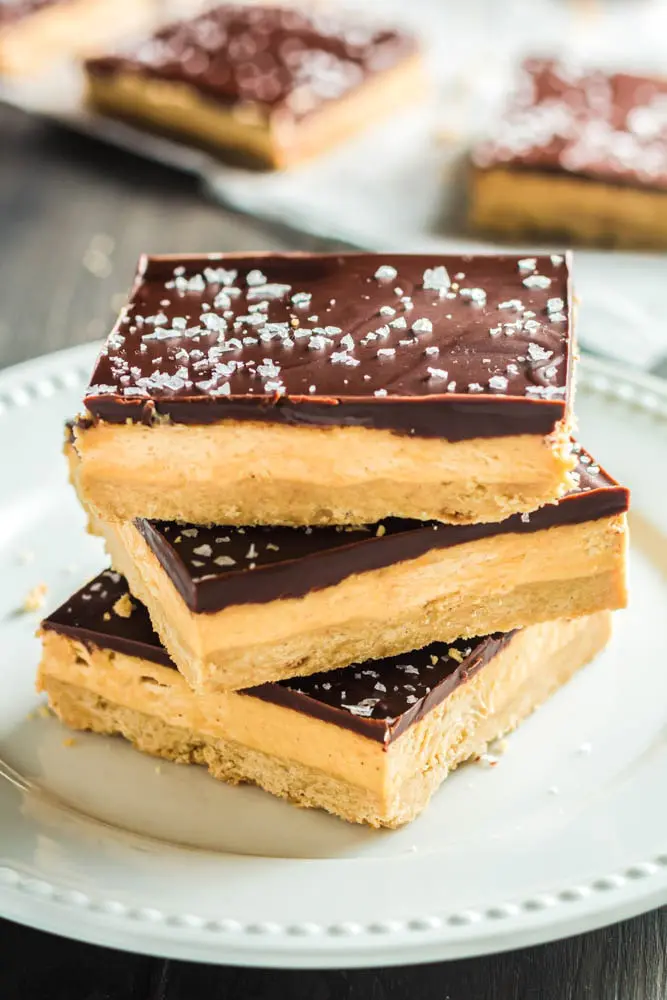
537 281
422 326
437 279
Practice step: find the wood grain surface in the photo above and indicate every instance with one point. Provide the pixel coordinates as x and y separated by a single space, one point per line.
74 217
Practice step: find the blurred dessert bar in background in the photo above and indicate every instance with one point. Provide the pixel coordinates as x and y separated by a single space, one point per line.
577 154
332 389
277 84
35 33
369 743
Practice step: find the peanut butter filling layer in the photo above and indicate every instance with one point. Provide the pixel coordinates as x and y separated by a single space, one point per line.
315 476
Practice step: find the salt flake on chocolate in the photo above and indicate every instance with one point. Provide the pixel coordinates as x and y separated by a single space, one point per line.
437 279
537 281
255 277
220 276
158 320
342 358
537 353
422 326
213 322
386 273
273 291
477 296
364 708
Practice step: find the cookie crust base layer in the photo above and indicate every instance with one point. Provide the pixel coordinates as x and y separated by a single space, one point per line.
309 762
245 473
178 108
517 202
491 585
68 28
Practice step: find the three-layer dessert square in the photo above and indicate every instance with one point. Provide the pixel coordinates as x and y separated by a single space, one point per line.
579 153
237 607
280 84
333 389
370 743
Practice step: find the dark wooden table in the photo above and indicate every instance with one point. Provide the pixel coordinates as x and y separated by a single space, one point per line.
74 216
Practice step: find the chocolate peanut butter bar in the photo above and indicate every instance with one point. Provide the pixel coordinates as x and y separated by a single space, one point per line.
237 607
579 154
35 33
370 743
277 83
332 389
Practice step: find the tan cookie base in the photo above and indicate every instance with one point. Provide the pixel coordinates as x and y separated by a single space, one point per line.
180 109
493 584
259 473
513 203
309 762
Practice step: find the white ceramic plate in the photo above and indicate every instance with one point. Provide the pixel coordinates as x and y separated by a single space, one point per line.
569 832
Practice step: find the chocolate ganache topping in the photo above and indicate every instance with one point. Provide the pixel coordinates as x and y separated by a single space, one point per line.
585 122
285 61
438 346
214 568
379 699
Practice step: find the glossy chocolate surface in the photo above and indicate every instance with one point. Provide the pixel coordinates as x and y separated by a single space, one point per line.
285 61
214 568
438 346
88 616
379 699
564 118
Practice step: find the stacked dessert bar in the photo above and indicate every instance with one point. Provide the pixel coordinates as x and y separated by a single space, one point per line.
352 538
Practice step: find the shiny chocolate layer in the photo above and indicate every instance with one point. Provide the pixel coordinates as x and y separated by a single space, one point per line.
214 568
89 617
379 699
446 346
282 62
584 122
